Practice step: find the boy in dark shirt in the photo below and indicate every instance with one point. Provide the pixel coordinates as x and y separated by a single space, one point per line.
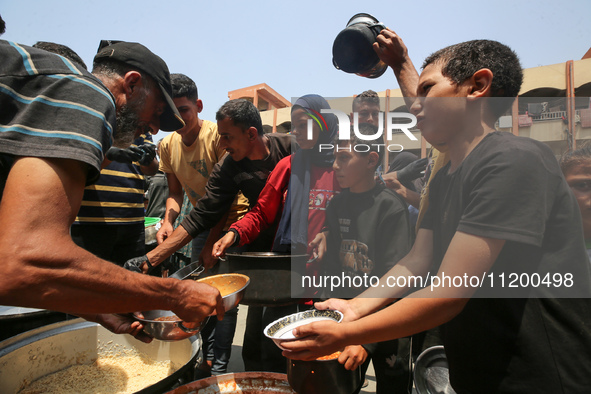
367 231
499 209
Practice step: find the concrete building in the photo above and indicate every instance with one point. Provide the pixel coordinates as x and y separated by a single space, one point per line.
553 107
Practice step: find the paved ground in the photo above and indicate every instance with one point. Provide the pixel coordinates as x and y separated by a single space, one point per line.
236 364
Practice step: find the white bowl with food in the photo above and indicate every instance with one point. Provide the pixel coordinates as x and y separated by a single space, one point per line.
281 330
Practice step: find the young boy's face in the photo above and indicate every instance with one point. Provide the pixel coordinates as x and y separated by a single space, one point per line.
299 128
189 111
353 170
579 179
440 108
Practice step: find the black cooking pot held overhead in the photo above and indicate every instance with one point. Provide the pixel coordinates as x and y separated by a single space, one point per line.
352 49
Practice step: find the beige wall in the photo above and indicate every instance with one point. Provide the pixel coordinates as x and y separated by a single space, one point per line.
551 131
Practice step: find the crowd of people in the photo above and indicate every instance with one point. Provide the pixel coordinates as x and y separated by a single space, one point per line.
75 148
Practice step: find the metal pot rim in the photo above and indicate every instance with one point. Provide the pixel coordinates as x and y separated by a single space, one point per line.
45 334
264 254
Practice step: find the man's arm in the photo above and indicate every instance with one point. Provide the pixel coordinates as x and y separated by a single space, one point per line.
467 255
43 268
210 209
174 204
207 258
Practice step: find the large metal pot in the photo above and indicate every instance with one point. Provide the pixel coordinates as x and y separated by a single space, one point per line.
15 319
275 278
431 373
322 376
52 348
243 382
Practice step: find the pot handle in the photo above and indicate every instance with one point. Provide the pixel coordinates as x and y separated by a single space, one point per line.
378 27
199 270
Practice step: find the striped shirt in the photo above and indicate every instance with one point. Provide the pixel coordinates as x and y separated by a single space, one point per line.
118 195
51 107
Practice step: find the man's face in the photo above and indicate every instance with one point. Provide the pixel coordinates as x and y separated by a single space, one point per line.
237 142
578 178
440 107
368 113
139 115
189 111
350 168
299 128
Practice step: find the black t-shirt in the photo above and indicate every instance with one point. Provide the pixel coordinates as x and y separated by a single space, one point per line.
511 188
227 179
368 234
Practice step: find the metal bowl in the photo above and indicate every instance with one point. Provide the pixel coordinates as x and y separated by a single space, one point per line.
281 329
231 287
432 372
167 330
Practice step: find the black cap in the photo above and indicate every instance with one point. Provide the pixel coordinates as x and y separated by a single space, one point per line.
138 56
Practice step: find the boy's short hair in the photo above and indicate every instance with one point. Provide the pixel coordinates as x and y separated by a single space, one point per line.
460 61
374 145
2 25
243 114
183 86
369 96
575 157
60 49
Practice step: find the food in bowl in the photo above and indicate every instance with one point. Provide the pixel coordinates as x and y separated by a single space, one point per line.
281 330
226 283
118 372
329 356
168 318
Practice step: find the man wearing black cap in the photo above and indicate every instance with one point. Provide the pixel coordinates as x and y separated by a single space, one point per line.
110 223
56 124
